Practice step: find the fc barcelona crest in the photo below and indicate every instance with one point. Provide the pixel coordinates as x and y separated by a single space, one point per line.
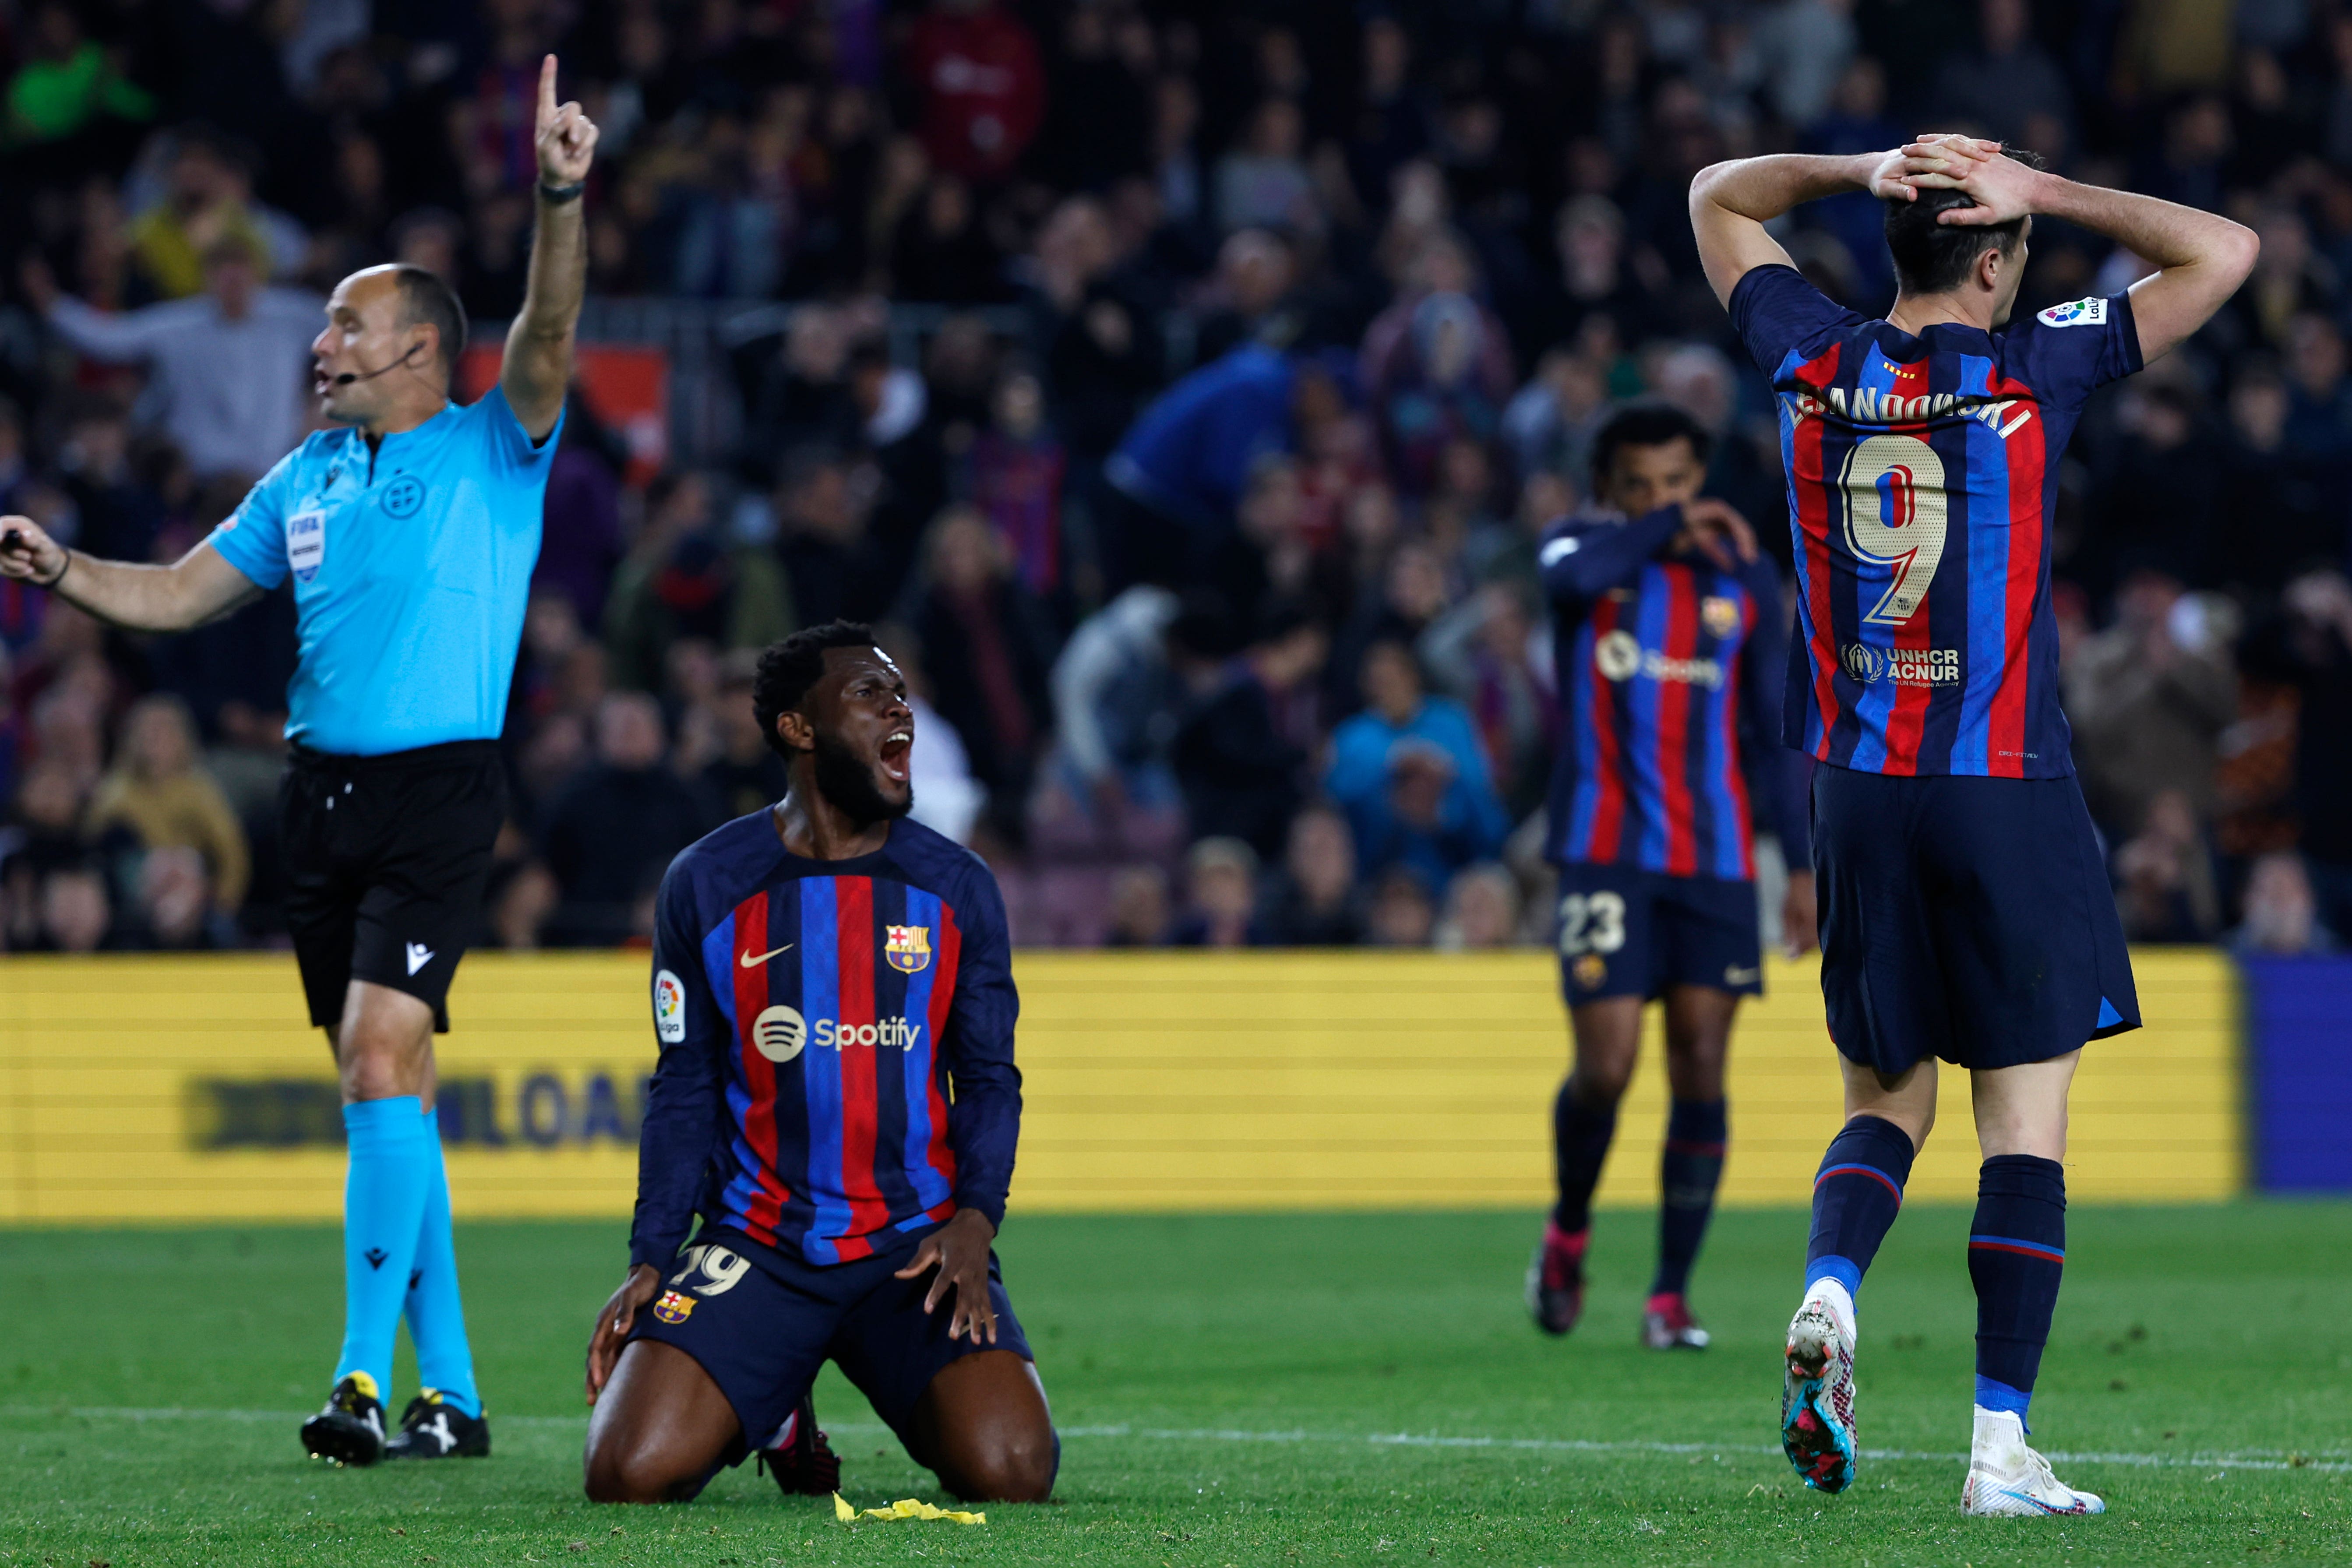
1720 615
908 949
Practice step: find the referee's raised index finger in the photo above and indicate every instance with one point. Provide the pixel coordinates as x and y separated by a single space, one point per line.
547 89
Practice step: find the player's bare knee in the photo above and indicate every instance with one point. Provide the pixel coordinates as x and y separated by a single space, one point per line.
617 1471
1018 1469
1600 1087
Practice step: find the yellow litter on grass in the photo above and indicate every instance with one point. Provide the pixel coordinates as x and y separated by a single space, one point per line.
905 1508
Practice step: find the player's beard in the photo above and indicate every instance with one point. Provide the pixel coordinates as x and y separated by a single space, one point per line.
843 778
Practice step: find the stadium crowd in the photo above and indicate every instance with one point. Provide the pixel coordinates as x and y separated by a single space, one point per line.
1202 512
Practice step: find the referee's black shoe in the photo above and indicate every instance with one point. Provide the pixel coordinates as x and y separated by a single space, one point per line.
803 1464
350 1430
433 1428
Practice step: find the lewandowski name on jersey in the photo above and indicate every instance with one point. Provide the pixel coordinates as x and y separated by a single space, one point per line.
1923 472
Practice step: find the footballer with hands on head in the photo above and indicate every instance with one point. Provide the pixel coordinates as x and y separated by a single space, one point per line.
836 1100
1966 912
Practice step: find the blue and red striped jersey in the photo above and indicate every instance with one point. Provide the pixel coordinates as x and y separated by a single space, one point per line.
837 1043
1923 474
1663 660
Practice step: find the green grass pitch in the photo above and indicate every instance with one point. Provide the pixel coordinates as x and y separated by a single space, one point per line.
1236 1391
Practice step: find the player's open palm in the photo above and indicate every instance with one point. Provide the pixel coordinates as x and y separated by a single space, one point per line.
567 137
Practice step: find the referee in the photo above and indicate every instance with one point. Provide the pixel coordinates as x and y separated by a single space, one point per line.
410 532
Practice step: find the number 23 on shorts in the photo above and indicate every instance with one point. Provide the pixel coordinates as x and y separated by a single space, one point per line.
1591 922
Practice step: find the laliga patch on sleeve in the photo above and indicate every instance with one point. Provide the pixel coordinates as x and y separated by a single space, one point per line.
2075 313
669 1008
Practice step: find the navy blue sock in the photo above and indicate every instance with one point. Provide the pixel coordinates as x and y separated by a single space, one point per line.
2017 1253
1579 1143
1856 1196
1688 1173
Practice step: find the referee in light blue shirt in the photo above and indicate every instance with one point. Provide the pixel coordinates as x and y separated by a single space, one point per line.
410 533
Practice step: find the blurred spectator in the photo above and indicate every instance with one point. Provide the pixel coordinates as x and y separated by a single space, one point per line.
1257 270
1487 654
615 830
746 774
989 645
1481 911
1802 48
1263 183
1314 901
66 83
948 799
1183 467
2164 877
684 579
2007 87
208 202
175 901
1239 755
228 373
1221 878
1402 914
1016 482
76 913
2150 697
581 550
834 567
159 791
2287 510
1138 907
1436 365
980 83
1409 772
2319 398
2281 916
2308 647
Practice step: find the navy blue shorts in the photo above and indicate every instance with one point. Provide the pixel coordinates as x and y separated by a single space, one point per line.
762 1321
1624 931
1969 919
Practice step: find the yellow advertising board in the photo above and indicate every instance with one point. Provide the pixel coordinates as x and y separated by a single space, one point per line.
180 1088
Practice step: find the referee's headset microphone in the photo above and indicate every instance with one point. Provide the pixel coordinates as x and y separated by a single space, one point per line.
350 376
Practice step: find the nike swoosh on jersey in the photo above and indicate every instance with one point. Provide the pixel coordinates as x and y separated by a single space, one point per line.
753 961
1738 976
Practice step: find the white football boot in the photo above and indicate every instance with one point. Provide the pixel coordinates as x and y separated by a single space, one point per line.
1817 1389
2008 1479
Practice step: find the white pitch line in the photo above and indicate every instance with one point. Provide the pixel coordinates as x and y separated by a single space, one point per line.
2326 1461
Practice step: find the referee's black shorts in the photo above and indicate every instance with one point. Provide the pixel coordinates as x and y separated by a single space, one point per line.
386 860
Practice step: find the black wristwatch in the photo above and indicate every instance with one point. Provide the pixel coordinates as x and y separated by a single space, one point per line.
556 195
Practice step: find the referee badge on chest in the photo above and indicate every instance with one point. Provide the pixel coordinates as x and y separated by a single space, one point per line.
306 543
908 949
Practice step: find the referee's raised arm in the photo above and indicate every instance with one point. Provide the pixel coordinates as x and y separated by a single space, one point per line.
539 345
